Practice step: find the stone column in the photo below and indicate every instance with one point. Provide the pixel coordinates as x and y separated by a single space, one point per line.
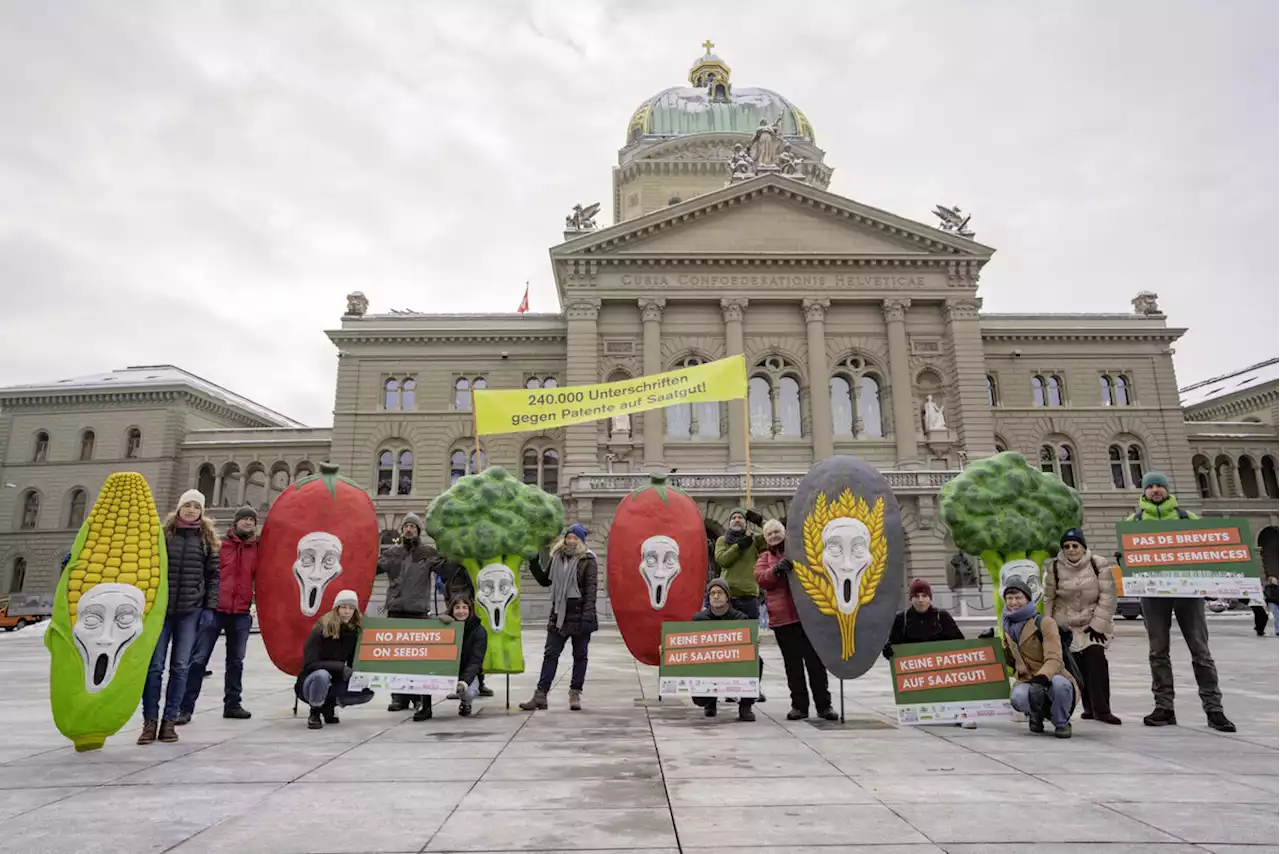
582 348
815 313
970 412
904 409
654 435
733 311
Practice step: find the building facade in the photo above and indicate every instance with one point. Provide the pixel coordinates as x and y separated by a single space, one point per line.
862 331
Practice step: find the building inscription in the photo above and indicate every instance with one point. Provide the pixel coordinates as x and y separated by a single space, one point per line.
758 281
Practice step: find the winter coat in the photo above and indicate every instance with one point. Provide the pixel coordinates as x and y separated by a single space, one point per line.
731 614
1081 598
332 654
1271 593
1149 511
411 589
737 562
911 626
580 613
193 573
237 571
1031 656
475 642
777 591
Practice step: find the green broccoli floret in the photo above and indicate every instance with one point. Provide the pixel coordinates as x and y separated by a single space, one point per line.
1003 509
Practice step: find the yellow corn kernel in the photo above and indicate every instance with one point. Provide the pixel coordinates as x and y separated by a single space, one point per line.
127 578
144 575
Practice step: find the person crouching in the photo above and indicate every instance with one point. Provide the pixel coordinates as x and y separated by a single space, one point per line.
718 608
327 657
1033 648
475 642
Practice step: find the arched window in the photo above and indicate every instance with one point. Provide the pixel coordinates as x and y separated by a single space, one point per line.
41 452
693 420
855 400
541 382
75 508
1126 465
18 577
409 394
870 410
87 440
279 480
1053 390
1134 455
132 443
1269 477
1001 445
1204 475
304 469
1037 390
540 467
255 487
30 510
1121 384
230 493
1116 457
391 394
529 466
395 471
1224 476
1104 386
842 403
773 399
993 391
206 477
1059 458
462 395
1248 478
463 461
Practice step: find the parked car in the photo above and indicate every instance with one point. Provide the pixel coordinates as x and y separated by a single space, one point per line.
10 624
1129 607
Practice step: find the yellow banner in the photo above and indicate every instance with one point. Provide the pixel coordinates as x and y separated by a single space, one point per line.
524 410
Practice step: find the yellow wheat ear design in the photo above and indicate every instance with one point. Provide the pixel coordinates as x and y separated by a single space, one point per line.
813 576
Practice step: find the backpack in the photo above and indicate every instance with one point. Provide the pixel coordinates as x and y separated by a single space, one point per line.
1069 663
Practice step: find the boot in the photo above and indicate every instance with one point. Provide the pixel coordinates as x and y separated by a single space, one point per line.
313 719
1161 717
710 708
1218 721
168 733
236 712
575 700
148 732
797 714
485 690
745 713
464 709
424 713
1086 715
1035 723
1108 718
538 701
397 705
330 714
828 714
182 719
1062 731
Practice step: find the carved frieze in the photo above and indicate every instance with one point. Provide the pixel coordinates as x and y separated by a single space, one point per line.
651 310
733 310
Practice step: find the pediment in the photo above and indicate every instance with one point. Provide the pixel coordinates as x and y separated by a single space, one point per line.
771 215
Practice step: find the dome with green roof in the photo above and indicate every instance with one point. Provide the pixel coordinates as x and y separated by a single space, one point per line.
710 104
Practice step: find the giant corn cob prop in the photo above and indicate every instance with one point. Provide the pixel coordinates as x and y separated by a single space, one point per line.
107 613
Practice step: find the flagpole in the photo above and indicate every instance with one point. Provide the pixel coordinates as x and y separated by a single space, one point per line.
475 431
746 429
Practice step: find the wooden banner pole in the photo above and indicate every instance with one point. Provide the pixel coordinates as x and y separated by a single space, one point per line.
475 431
746 429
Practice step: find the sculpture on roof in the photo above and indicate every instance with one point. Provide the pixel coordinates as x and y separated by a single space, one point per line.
789 164
741 166
357 304
582 218
1145 303
953 220
767 143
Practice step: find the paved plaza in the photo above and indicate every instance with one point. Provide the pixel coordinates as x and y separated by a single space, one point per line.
628 775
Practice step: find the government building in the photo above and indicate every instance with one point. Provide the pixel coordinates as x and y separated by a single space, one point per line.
863 333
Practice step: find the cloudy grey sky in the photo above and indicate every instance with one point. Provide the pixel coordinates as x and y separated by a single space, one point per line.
202 183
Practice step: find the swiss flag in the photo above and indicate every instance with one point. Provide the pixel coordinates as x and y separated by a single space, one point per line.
524 303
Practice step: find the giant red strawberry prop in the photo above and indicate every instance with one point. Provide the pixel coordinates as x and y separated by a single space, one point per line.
657 564
320 537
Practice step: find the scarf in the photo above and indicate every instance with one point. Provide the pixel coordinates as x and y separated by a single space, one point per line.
564 580
1014 620
191 526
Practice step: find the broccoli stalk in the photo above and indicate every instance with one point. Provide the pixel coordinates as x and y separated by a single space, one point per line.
487 519
1003 509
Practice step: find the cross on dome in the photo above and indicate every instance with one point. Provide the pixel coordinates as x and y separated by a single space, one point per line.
708 44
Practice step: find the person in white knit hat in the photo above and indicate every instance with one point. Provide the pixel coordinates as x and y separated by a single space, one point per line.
327 657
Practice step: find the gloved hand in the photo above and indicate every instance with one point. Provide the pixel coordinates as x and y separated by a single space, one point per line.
1096 637
1041 680
754 518
460 689
887 652
735 538
205 621
987 633
784 566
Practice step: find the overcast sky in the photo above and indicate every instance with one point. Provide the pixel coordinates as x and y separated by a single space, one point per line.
202 183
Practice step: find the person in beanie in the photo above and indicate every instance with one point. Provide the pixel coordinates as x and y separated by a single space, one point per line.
772 571
1080 594
327 657
719 608
1271 595
922 623
736 555
411 590
1042 686
192 550
1159 504
571 571
237 571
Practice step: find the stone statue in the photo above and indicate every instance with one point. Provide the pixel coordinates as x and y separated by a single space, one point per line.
934 421
788 163
357 304
621 425
582 218
740 165
1145 303
767 143
953 220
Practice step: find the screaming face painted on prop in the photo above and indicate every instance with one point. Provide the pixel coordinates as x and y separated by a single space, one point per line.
108 620
846 555
1028 571
319 562
659 565
495 590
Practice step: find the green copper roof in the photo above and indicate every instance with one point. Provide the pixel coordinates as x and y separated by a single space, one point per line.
683 110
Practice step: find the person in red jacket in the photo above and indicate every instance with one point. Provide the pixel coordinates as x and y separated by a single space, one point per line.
772 570
238 567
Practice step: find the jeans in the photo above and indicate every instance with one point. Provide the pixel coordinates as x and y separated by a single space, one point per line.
1158 615
1274 608
551 658
798 656
1030 698
319 691
181 630
237 628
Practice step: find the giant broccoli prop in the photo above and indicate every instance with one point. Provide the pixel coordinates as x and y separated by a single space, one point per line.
491 523
1006 511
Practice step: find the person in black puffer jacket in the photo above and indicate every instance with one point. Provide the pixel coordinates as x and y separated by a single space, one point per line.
475 643
327 657
923 623
571 571
192 546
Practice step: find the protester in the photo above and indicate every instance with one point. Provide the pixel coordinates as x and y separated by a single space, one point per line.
327 657
1159 504
411 592
1259 618
451 582
771 571
1033 648
1271 593
572 574
736 555
192 550
923 623
1080 594
475 642
237 571
720 609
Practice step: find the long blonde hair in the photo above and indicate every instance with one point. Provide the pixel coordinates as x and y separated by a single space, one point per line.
331 624
207 533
